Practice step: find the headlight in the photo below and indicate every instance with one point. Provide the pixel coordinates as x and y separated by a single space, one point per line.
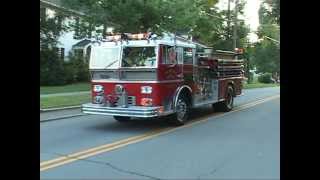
119 89
146 89
97 88
98 99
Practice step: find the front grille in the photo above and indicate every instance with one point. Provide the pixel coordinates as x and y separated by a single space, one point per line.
132 100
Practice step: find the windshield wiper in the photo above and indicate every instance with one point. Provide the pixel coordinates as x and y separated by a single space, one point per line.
111 64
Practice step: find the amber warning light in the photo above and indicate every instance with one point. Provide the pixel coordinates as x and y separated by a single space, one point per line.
128 36
239 50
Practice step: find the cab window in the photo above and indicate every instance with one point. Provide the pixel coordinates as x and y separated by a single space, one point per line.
139 57
187 55
169 55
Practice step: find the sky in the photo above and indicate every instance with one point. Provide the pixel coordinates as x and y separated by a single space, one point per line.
250 14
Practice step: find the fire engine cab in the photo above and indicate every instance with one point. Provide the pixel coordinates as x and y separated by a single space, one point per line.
145 75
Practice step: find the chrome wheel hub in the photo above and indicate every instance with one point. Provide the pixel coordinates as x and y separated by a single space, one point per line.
181 110
229 100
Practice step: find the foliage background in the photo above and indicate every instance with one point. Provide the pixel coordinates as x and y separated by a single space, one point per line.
178 16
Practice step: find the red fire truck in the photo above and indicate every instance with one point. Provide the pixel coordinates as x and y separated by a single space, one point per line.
145 75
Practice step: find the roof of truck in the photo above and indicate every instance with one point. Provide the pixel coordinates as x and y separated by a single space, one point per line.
167 39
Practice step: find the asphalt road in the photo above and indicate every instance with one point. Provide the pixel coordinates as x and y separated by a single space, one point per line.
242 144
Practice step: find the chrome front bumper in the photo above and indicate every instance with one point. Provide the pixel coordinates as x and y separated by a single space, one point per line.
131 111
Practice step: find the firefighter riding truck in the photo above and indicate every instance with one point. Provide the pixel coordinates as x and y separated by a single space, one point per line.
145 75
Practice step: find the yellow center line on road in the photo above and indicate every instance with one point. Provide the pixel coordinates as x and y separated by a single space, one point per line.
45 165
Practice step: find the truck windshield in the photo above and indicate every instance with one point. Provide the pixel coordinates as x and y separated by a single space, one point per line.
139 57
105 58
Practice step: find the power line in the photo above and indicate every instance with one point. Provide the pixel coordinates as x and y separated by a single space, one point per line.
274 40
228 20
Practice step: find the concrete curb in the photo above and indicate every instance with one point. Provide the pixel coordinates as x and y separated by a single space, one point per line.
64 94
62 117
58 109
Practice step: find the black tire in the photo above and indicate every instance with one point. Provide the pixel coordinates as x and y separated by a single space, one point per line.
227 104
122 118
182 112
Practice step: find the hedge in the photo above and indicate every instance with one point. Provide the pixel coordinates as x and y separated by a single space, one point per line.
265 78
54 71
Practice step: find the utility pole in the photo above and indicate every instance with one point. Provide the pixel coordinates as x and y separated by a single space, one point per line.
228 19
235 28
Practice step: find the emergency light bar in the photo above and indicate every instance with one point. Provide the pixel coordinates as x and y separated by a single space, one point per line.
128 36
138 36
239 50
114 38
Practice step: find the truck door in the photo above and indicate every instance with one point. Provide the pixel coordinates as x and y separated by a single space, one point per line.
170 63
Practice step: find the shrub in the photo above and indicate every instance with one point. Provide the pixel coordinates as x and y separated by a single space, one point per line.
83 72
265 78
70 72
78 68
51 68
250 77
54 71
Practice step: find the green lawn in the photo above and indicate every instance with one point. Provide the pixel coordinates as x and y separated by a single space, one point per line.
74 100
64 89
64 101
259 85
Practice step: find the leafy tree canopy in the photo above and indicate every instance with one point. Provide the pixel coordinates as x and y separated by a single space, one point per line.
266 53
179 16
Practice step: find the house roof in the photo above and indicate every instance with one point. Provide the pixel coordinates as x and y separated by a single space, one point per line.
57 4
82 44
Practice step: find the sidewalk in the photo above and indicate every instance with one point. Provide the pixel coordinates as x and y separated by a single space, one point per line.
61 114
64 94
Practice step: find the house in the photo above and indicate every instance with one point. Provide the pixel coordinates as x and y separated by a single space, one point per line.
83 48
67 40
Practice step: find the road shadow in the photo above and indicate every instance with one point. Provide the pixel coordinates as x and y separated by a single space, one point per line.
147 124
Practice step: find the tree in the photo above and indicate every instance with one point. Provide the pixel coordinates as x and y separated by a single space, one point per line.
269 12
248 65
176 16
51 66
215 32
123 15
266 57
50 29
266 53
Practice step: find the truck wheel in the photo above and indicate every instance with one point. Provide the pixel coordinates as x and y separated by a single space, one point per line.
121 118
227 104
182 111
